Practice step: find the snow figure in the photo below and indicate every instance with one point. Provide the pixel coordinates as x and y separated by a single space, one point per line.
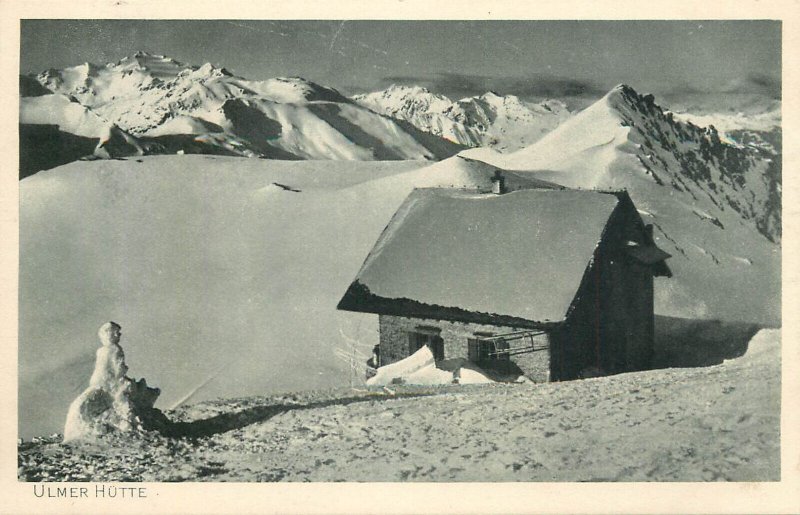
113 400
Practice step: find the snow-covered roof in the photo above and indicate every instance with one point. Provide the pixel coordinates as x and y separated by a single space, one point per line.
517 258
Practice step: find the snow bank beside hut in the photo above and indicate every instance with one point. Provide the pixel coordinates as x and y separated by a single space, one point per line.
420 368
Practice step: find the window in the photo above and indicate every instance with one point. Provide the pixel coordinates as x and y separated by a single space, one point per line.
429 336
480 350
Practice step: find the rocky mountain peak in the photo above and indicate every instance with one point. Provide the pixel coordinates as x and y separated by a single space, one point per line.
504 123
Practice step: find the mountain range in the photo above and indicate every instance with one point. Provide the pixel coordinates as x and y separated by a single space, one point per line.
153 104
504 123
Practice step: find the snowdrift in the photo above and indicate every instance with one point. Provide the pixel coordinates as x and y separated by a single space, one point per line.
420 368
764 347
399 370
683 342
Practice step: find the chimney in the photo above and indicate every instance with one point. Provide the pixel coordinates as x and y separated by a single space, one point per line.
498 183
648 229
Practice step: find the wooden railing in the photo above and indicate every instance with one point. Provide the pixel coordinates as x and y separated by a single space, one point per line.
499 341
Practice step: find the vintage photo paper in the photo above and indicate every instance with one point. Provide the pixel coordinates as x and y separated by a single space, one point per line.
398 258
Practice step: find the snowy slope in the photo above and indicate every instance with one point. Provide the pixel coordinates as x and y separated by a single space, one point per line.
171 106
715 206
68 115
212 270
76 119
718 423
208 257
683 157
504 123
55 129
226 279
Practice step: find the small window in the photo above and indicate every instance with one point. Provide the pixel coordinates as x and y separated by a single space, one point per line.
426 336
487 351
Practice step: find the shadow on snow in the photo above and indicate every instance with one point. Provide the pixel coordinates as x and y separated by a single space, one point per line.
229 421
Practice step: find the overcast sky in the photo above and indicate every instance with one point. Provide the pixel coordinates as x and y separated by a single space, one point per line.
458 58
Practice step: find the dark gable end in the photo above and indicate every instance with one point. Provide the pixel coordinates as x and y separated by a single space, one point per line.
610 324
646 252
626 224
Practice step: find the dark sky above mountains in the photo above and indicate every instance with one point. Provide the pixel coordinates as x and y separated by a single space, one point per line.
532 59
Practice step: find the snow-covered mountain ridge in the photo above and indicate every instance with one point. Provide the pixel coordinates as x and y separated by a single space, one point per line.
504 123
702 162
626 140
164 106
142 92
714 205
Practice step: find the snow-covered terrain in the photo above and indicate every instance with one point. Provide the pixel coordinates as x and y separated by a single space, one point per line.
719 423
55 130
728 122
504 123
169 106
715 205
421 369
211 268
225 272
219 259
761 130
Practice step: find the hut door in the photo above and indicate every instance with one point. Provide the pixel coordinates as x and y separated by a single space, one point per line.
437 347
416 339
